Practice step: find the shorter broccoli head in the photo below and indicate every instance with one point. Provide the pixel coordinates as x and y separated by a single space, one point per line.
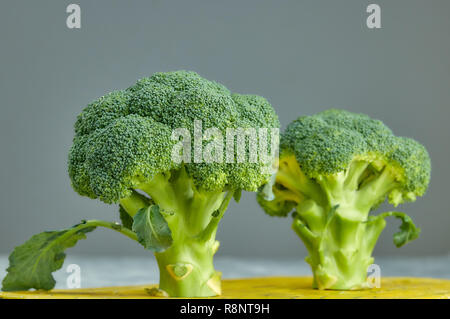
334 168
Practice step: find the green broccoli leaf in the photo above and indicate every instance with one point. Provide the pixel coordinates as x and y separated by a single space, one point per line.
408 231
31 264
152 229
125 218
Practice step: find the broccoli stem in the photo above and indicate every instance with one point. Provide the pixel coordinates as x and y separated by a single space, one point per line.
186 267
340 253
134 203
336 233
210 230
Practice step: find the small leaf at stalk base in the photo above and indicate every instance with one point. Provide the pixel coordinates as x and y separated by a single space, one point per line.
152 229
156 292
32 263
127 220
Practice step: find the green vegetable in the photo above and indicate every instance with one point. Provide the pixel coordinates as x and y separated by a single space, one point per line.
335 168
123 153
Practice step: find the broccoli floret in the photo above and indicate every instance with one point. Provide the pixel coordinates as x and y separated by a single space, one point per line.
335 167
122 153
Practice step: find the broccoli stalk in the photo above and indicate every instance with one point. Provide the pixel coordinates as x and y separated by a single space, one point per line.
336 230
186 266
334 169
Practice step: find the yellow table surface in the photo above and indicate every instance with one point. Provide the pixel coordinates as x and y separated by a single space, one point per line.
266 288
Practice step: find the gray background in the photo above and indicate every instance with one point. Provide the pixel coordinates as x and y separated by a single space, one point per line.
303 56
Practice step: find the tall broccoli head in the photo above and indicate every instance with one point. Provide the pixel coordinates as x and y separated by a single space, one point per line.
123 152
124 139
334 168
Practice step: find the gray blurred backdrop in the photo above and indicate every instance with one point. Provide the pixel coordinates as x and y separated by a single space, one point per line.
303 56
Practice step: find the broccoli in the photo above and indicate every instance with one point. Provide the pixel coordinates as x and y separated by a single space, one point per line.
334 168
122 153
